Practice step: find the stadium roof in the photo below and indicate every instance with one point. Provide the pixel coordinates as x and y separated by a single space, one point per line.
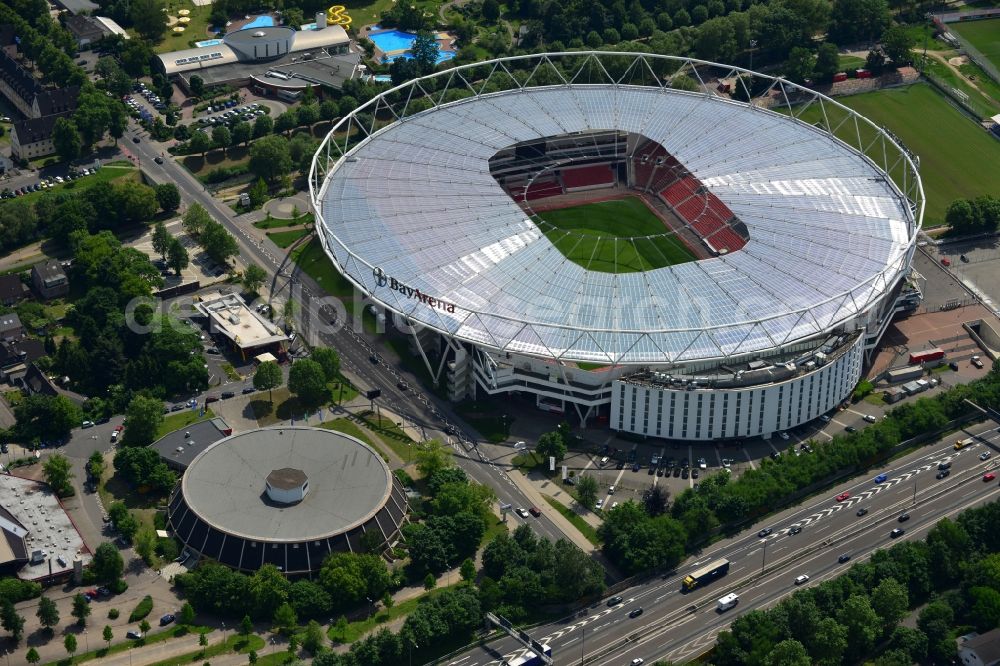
414 217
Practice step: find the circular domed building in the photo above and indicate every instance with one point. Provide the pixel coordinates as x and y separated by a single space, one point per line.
287 497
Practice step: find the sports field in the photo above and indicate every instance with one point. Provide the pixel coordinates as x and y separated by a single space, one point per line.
619 236
957 159
983 35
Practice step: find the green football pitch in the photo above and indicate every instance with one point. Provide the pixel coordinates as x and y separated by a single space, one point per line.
618 236
983 35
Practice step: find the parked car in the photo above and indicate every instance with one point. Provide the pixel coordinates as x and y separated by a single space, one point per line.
87 424
133 634
227 394
211 398
166 619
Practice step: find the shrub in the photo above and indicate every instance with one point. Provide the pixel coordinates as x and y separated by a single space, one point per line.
144 608
222 174
113 614
119 586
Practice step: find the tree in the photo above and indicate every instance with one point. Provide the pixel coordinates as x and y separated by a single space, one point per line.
48 613
329 109
286 121
270 158
197 85
891 602
187 614
961 217
202 639
263 126
143 419
147 19
267 377
586 490
432 457
425 51
108 635
195 220
285 619
252 656
168 197
897 42
490 10
107 564
242 133
45 417
258 193
551 444
788 652
246 626
70 644
11 621
177 256
827 60
329 359
218 243
123 520
66 139
81 609
144 544
862 623
307 381
430 581
32 656
222 137
161 240
308 114
800 64
199 142
854 21
144 627
314 639
655 500
58 474
253 277
468 570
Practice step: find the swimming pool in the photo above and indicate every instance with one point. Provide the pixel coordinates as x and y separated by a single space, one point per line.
259 22
397 40
208 42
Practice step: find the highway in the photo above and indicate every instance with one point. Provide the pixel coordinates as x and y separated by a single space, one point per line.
317 311
679 626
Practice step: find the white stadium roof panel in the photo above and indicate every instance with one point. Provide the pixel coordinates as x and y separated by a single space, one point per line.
417 202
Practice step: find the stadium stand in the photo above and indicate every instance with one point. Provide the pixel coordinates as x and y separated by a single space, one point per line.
541 190
588 177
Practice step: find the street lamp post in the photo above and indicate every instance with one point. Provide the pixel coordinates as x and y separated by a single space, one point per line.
753 45
763 558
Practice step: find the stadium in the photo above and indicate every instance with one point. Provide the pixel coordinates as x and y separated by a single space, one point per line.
619 235
287 497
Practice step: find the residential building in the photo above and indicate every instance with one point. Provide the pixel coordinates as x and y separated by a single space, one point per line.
36 381
980 649
49 279
16 354
11 289
10 327
32 138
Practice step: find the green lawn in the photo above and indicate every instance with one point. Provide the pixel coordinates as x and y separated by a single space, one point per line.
104 174
619 236
923 35
356 630
957 159
586 529
983 105
391 434
124 646
283 239
349 427
983 35
276 222
195 31
178 420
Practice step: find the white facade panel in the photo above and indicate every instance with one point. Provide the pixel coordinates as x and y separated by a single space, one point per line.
707 414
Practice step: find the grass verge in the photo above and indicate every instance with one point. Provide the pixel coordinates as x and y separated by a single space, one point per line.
357 630
235 643
391 434
182 420
349 427
284 239
585 528
118 648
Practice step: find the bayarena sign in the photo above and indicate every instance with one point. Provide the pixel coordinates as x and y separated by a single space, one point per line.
383 280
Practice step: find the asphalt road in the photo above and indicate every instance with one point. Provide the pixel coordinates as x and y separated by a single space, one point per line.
354 348
679 626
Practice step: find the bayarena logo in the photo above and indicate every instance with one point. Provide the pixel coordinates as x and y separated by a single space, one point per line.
383 280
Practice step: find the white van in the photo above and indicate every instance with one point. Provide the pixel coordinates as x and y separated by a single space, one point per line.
604 461
727 602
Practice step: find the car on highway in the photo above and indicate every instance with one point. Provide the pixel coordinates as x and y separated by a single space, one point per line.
881 478
521 511
614 601
638 661
945 465
535 512
795 529
804 578
898 532
903 517
764 532
985 455
989 476
636 612
942 474
843 497
844 558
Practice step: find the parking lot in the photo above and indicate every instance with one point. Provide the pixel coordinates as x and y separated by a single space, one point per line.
229 114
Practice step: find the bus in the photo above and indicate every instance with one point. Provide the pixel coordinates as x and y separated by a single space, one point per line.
962 443
529 658
707 573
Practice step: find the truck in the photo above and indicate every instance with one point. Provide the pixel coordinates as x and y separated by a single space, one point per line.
530 658
927 355
727 602
706 574
962 443
909 373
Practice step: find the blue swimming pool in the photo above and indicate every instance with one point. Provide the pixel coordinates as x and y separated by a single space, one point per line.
208 42
397 40
259 22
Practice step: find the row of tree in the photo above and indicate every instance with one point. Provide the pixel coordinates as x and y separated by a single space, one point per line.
971 216
954 575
